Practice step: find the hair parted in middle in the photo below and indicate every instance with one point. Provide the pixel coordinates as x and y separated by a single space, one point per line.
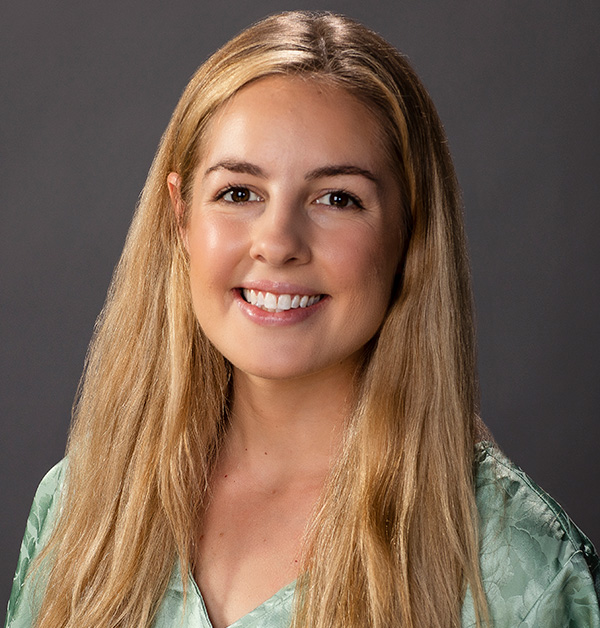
394 540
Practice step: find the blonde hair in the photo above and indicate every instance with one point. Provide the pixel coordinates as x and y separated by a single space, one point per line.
394 541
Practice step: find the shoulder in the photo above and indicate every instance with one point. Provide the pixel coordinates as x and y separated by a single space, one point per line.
538 568
49 489
44 511
508 499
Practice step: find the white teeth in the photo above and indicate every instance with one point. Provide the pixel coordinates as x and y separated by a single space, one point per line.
270 301
284 302
279 303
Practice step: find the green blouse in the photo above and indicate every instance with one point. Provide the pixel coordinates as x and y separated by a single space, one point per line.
538 568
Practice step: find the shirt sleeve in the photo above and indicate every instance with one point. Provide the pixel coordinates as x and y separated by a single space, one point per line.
538 569
24 597
570 599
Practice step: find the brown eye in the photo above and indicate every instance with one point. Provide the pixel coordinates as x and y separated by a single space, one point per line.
340 199
239 195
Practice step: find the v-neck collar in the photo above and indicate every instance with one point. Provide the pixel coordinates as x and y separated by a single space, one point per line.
272 613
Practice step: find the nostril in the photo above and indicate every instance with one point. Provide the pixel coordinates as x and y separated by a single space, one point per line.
278 237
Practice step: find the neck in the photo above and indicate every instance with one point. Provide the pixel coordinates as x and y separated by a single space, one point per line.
288 429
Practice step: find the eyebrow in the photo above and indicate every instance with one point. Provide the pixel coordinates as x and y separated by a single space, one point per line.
335 170
241 167
245 167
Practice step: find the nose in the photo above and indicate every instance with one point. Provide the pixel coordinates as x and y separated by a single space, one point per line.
280 235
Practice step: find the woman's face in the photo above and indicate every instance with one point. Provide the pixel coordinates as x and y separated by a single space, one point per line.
294 229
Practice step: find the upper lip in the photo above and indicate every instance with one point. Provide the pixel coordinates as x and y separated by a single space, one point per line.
278 287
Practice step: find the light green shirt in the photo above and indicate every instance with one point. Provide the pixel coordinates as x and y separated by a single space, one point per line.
538 569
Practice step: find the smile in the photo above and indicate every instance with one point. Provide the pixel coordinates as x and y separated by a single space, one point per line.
279 302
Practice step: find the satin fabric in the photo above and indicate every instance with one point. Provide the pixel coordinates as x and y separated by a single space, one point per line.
538 568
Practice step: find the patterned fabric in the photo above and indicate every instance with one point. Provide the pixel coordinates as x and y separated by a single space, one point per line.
25 596
538 569
274 613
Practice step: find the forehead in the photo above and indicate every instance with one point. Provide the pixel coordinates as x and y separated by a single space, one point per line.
306 117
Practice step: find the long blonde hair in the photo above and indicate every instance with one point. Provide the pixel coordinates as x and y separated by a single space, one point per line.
394 541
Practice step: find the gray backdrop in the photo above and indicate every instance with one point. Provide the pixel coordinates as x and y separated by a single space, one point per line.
86 91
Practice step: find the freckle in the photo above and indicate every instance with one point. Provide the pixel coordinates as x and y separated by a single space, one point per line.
273 492
221 533
265 453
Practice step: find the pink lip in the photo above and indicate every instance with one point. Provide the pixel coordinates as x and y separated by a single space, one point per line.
277 319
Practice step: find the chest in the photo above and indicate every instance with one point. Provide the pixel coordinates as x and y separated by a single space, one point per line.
249 546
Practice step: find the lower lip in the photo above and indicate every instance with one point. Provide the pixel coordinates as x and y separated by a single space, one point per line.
287 317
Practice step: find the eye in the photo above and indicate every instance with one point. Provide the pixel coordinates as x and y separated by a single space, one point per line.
339 198
238 194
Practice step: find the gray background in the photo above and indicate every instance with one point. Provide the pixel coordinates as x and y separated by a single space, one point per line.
86 91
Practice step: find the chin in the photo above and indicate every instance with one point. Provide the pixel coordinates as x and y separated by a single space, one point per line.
275 372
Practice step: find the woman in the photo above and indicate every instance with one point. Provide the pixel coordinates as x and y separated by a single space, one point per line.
280 398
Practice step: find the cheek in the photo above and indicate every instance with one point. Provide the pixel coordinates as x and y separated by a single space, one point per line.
367 263
215 245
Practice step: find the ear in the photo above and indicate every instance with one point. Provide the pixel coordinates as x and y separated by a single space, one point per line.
177 204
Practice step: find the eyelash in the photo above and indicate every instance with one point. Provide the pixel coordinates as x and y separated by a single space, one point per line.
231 188
354 200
